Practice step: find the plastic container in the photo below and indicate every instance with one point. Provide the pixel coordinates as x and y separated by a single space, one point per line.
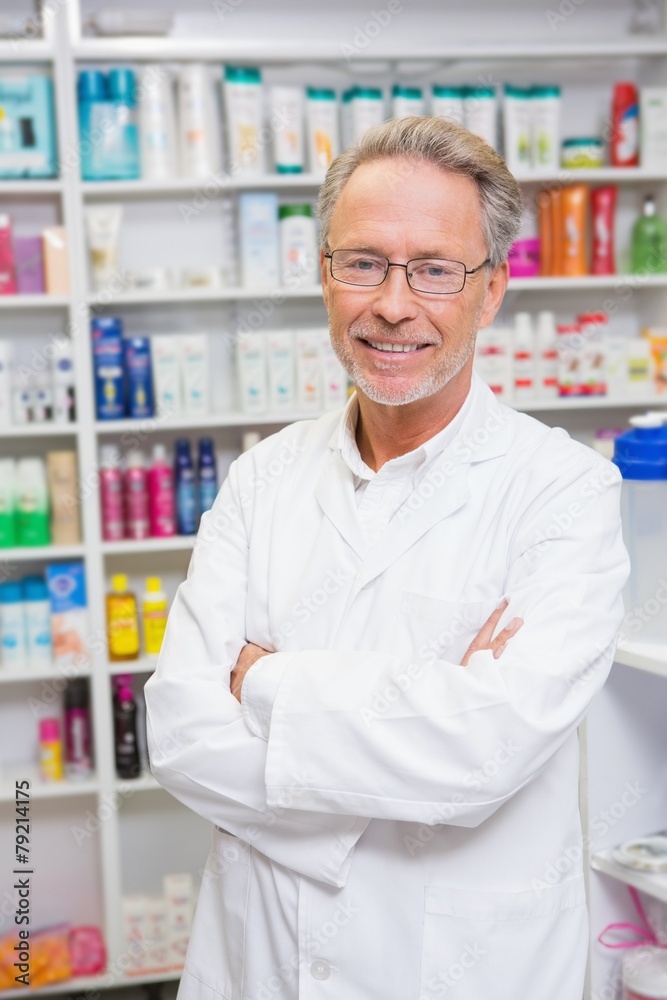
367 110
641 456
128 764
122 622
624 145
298 245
157 124
154 615
206 475
480 110
138 376
584 152
574 231
406 101
645 974
648 250
121 145
12 625
242 88
78 761
545 134
287 110
523 355
447 102
197 137
93 123
603 206
135 482
37 620
33 503
111 494
8 526
50 750
524 258
322 128
517 127
186 493
161 502
546 356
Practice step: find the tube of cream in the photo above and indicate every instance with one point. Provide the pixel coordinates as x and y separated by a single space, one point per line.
165 349
103 227
195 372
242 90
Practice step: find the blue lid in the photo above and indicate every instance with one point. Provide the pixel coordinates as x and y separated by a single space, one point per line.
446 91
121 85
243 74
372 93
106 326
206 444
92 85
11 593
641 453
320 94
35 589
183 446
414 93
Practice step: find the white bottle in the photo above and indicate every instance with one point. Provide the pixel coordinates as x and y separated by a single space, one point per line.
62 375
523 358
299 263
546 103
406 101
197 134
37 616
616 362
5 383
447 102
12 628
334 375
41 398
195 371
280 346
322 119
547 356
251 373
165 351
493 360
22 397
243 98
480 113
287 114
157 124
309 370
517 125
367 110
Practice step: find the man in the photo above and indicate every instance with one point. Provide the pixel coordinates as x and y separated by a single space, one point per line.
394 620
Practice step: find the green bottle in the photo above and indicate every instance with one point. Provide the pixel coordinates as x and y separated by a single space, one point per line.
32 502
7 503
649 242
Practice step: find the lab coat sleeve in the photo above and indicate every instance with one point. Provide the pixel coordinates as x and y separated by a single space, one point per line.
200 748
420 756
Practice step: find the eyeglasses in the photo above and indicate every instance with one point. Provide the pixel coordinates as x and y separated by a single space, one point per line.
432 275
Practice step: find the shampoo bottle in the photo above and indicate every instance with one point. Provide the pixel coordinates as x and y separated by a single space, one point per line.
157 126
12 628
33 503
161 501
208 484
77 730
37 618
649 241
111 495
125 732
186 501
154 613
198 153
8 532
122 623
136 496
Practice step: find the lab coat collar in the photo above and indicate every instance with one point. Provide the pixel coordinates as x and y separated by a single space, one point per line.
440 491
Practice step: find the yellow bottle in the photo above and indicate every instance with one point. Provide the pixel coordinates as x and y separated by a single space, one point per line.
50 750
122 623
154 612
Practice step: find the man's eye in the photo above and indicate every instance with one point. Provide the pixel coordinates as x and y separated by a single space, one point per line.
365 264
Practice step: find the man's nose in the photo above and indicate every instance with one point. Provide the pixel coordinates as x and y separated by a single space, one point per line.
394 300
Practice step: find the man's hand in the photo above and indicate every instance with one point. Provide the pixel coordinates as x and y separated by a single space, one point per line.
248 655
484 638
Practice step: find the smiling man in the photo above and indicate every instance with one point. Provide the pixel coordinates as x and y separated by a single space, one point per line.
372 678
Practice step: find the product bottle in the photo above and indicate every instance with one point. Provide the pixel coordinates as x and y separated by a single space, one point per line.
50 750
322 118
157 127
208 483
524 357
122 144
603 203
161 500
37 620
547 356
122 623
298 245
94 120
136 496
546 107
64 496
12 625
7 503
198 152
6 348
154 612
575 212
517 128
625 126
186 501
33 503
77 729
242 89
7 266
111 495
648 253
125 733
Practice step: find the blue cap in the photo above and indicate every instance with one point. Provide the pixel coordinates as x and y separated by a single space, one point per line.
183 446
92 86
206 444
243 74
10 593
121 86
641 453
35 589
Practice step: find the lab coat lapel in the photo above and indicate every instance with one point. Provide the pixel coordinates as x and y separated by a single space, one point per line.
334 492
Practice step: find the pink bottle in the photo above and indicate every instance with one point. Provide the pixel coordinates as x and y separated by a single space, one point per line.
162 504
7 265
136 496
111 493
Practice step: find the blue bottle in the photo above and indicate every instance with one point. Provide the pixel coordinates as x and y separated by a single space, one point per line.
208 479
94 113
186 493
121 146
107 333
138 376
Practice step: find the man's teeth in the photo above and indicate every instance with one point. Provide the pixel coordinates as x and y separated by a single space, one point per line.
393 347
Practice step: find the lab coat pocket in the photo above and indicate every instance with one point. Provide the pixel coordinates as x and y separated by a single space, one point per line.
430 629
215 954
504 944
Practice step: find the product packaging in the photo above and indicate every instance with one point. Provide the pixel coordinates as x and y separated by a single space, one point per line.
103 231
616 366
493 360
545 134
201 277
56 263
543 202
96 118
366 110
138 376
653 128
64 497
196 373
179 895
62 380
185 489
298 246
157 935
334 376
135 482
41 399
121 145
69 614
517 129
135 932
640 366
571 376
22 398
287 120
280 351
657 338
546 356
243 99
154 615
12 625
260 243
309 370
50 750
480 111
33 502
574 229
111 494
648 248
157 124
447 102
78 760
29 261
197 132
28 145
161 500
37 620
207 477
8 526
251 373
107 333
126 743
582 153
322 123
122 621
406 101
166 350
594 328
6 351
523 358
624 145
603 206
7 266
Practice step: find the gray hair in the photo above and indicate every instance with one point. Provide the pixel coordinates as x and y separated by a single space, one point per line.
450 147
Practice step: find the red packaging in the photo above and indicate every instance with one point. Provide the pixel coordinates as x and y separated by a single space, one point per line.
7 265
87 951
603 203
625 126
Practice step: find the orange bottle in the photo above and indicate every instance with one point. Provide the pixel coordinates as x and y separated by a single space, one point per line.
575 217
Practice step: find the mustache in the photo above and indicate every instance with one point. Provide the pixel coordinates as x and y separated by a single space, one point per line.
385 331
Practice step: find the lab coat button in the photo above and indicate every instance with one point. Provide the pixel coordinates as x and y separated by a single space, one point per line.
320 969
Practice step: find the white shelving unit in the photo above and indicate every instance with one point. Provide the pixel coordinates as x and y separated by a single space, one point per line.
301 52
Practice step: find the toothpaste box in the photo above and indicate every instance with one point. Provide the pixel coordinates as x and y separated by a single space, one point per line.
69 614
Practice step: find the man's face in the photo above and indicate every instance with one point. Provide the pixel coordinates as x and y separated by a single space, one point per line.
403 211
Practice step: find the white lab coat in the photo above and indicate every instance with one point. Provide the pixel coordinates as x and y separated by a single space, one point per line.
410 828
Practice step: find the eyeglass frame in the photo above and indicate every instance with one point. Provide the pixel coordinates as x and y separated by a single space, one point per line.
466 271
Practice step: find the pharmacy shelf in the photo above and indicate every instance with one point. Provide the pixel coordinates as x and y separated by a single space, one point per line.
30 552
90 985
28 675
28 187
129 546
589 403
276 51
42 789
217 184
621 282
38 430
144 783
144 665
34 301
653 884
166 296
595 175
24 50
650 657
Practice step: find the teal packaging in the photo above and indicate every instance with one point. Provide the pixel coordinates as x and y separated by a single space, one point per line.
27 127
107 333
95 120
138 376
108 132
